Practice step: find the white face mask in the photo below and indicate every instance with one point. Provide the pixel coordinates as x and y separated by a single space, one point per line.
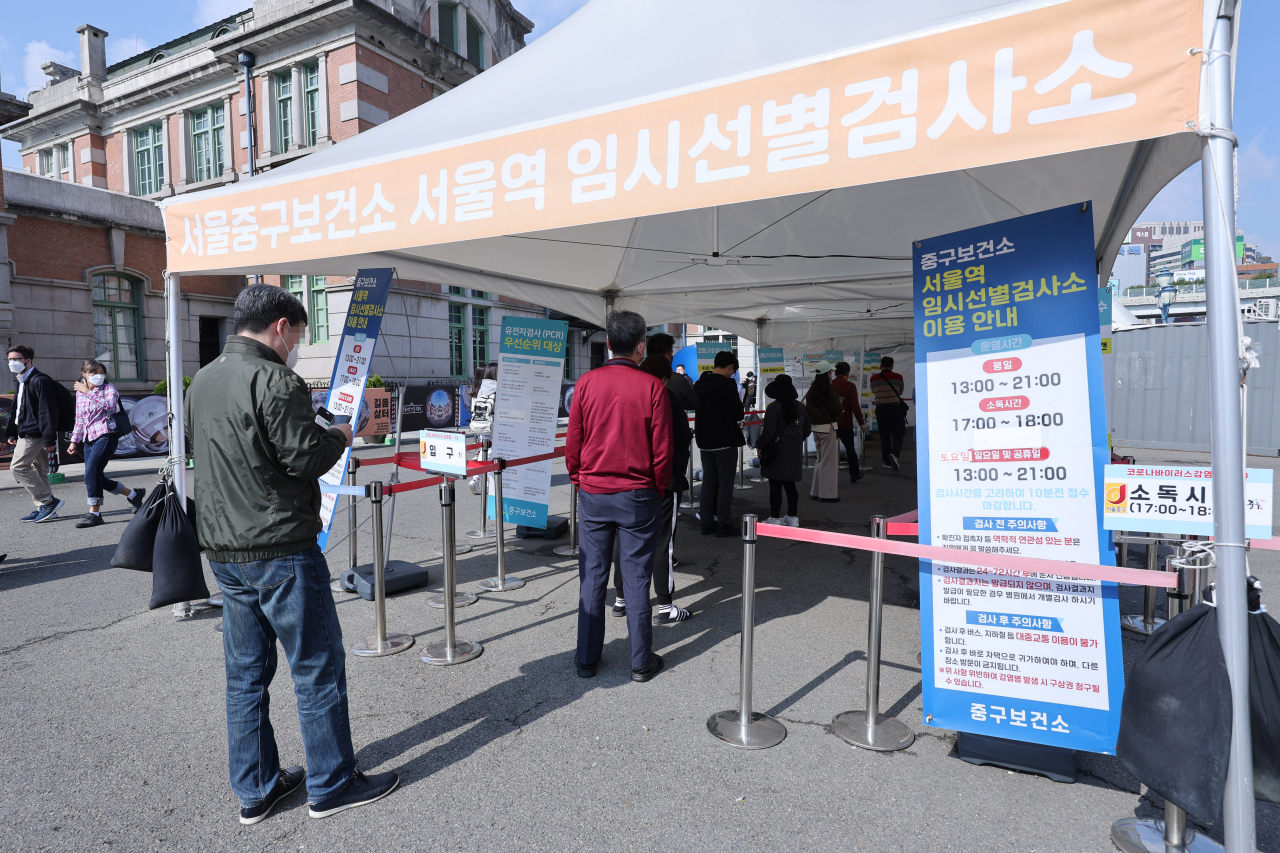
96 379
290 360
17 366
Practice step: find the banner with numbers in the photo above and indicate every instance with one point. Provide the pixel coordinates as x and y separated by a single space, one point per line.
1012 448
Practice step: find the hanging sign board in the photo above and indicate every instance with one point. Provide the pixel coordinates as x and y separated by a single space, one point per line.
707 356
443 452
771 361
1179 499
351 369
1012 446
530 369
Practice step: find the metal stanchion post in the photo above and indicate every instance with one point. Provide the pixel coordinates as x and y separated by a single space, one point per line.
1147 622
1124 548
382 643
688 504
570 550
450 597
501 583
450 650
352 550
484 532
866 728
743 727
739 486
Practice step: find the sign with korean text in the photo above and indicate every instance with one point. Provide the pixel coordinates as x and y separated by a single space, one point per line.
1011 446
1179 499
707 355
771 361
443 452
351 369
1064 77
530 368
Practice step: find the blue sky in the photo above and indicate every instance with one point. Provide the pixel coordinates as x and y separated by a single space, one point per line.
36 32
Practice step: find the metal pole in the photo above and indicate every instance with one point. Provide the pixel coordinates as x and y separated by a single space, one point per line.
1147 622
382 643
501 583
450 650
177 461
353 551
570 550
484 532
688 504
866 728
395 471
742 461
742 727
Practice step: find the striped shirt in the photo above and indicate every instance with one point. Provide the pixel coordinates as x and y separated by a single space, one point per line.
884 384
93 413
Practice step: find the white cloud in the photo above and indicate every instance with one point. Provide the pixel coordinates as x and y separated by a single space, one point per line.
37 54
208 11
123 47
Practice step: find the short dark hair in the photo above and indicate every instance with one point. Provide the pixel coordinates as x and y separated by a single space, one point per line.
260 305
625 330
886 363
93 366
22 350
725 357
842 368
660 344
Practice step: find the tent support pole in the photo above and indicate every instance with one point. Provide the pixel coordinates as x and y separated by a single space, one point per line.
1226 397
177 428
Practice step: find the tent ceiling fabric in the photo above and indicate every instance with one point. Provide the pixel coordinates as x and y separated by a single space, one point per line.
661 264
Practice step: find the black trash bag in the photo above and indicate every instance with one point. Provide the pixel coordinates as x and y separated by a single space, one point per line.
177 573
1264 702
1175 721
138 541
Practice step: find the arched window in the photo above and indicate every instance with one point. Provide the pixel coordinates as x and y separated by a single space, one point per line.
159 56
117 324
222 31
475 43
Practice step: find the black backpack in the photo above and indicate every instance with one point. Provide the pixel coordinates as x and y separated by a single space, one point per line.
66 407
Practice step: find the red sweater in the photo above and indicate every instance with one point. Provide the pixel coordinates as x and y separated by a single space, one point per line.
619 431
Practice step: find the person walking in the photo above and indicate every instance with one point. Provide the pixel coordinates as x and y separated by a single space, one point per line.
33 430
716 427
258 455
781 448
96 401
619 454
823 407
851 406
891 413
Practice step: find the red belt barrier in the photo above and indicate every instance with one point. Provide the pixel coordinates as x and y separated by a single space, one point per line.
1003 562
914 515
902 529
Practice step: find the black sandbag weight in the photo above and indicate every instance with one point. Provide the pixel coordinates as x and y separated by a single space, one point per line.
177 573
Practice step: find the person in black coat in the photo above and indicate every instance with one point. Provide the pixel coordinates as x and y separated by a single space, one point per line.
719 434
786 427
33 430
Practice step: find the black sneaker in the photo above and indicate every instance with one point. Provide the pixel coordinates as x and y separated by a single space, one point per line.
136 500
724 531
643 675
619 607
893 460
583 670
671 616
360 791
288 782
91 519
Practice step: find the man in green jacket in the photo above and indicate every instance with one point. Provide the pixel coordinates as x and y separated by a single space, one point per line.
259 452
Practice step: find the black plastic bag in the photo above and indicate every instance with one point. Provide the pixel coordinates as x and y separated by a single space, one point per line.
1264 704
1175 721
177 573
138 541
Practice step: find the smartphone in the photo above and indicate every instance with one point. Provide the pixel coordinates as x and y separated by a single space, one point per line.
341 419
324 417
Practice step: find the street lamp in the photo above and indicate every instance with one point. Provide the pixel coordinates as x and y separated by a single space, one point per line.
1164 297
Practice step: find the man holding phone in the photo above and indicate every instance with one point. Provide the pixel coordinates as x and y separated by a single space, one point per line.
259 452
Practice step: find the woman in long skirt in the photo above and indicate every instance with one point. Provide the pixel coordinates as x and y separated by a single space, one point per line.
824 407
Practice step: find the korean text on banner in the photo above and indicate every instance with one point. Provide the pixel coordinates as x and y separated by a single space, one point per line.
1179 499
1011 458
351 369
530 367
707 355
771 361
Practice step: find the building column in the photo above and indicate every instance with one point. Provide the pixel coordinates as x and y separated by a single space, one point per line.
183 177
71 160
166 157
295 102
322 101
6 295
266 127
228 149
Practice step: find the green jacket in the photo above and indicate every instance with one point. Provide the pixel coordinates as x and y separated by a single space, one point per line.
258 455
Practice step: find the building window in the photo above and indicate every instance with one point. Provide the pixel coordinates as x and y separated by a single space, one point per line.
568 359
449 26
311 293
455 291
479 294
284 110
311 101
148 159
479 336
597 355
115 325
64 157
207 126
457 338
475 43
46 162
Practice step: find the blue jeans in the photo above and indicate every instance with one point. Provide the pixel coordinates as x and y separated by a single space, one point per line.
96 455
288 599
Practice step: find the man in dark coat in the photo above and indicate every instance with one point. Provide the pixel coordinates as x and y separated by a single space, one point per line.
33 430
719 435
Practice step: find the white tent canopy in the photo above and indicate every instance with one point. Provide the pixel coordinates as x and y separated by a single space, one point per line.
615 61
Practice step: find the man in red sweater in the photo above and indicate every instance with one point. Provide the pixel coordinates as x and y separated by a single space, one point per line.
619 453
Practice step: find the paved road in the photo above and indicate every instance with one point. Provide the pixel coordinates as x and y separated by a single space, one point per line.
113 736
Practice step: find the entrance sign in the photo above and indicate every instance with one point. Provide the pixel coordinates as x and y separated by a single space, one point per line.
443 452
351 368
1012 448
1178 499
771 361
530 367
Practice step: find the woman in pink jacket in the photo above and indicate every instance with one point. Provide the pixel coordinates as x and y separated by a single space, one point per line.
96 401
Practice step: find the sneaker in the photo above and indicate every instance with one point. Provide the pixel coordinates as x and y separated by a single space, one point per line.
585 671
885 465
91 519
772 520
894 460
182 610
360 791
725 531
643 675
791 521
287 783
49 511
31 516
670 616
136 500
619 607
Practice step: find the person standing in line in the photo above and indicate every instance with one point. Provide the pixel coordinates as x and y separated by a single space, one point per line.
786 427
847 392
719 435
484 398
749 391
96 401
823 407
33 429
258 454
891 413
619 454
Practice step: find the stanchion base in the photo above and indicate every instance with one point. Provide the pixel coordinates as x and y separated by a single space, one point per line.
458 549
886 735
763 731
1132 835
370 648
741 488
1138 625
337 586
481 534
214 600
565 550
217 629
437 654
460 599
494 585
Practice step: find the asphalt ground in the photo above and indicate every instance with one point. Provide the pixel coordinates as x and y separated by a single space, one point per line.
113 732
